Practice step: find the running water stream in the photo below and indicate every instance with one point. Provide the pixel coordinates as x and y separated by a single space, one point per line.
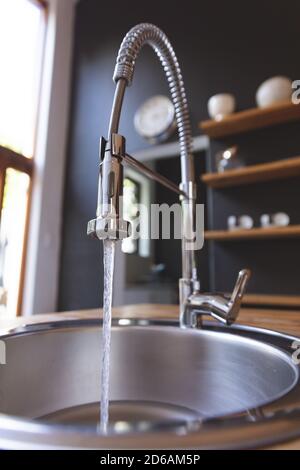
108 261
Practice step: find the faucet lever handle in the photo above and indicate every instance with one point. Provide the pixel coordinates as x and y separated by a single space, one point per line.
237 295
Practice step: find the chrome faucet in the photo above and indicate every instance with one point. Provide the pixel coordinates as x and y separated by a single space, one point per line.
109 222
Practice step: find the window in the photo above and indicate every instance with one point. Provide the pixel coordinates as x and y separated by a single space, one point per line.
131 201
22 25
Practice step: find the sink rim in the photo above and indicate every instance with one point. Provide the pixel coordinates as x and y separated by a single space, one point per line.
255 427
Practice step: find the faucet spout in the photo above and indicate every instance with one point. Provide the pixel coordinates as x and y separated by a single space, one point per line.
139 36
109 222
149 34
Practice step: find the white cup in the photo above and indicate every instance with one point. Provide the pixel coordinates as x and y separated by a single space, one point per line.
221 105
280 219
265 220
236 223
246 222
231 222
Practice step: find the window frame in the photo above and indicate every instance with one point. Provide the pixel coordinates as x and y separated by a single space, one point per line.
138 184
11 159
38 282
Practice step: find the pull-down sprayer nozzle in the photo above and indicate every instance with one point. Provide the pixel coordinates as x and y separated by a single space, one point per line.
109 222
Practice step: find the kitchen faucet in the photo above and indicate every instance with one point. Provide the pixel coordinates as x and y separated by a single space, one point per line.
109 223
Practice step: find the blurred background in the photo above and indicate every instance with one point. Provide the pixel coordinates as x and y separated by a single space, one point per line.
56 90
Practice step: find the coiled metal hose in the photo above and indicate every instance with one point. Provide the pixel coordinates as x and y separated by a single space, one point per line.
135 39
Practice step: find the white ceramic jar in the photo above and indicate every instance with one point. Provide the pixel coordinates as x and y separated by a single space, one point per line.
221 105
274 90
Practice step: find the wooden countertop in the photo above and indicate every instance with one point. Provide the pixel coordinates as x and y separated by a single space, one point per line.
278 320
286 321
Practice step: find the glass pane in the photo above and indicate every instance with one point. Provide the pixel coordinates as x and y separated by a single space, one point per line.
131 192
13 219
20 58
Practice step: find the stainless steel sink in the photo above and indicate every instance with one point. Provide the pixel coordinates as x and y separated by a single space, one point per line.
217 387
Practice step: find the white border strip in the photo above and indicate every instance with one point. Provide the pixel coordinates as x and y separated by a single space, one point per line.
43 250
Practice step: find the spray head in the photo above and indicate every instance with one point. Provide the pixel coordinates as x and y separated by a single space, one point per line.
109 223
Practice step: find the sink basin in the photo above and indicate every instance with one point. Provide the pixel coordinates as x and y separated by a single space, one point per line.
217 387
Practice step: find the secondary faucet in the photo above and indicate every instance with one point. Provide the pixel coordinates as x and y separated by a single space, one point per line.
109 222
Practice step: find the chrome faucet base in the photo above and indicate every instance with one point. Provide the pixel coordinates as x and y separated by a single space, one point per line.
222 308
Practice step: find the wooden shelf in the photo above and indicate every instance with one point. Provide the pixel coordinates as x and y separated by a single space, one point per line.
281 169
251 119
256 233
272 300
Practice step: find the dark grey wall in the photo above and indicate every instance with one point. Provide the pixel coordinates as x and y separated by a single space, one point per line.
222 46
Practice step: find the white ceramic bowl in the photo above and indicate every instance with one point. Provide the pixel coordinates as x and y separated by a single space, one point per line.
280 219
220 105
246 222
274 90
242 222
